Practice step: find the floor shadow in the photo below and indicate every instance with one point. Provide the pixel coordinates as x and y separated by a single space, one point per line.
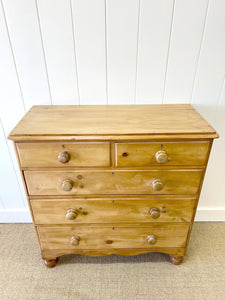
112 259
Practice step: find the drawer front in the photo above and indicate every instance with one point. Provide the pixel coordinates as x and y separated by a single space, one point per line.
64 155
113 182
108 237
112 210
161 154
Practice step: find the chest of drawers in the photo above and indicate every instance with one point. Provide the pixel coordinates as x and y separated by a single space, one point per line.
104 180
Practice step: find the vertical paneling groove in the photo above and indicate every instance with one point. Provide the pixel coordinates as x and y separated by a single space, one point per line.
188 24
12 108
136 70
43 50
210 72
10 185
154 31
89 32
122 22
13 56
75 56
199 52
221 98
168 51
1 204
25 38
56 28
20 187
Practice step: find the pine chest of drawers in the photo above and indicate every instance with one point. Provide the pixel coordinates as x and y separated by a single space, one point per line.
106 180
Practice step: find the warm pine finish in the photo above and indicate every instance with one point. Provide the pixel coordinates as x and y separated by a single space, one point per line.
48 154
69 122
173 154
113 182
104 180
113 210
113 237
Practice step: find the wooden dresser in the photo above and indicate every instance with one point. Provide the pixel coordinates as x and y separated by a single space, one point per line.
106 180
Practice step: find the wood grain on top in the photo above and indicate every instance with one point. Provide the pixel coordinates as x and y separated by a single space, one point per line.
120 120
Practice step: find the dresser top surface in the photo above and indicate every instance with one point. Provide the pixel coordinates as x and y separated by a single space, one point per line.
101 120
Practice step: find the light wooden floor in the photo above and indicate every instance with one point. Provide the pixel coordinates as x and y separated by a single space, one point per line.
148 276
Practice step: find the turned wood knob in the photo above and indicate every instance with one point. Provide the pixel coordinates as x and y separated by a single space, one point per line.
151 239
50 263
75 240
67 185
161 156
157 184
71 214
154 212
63 157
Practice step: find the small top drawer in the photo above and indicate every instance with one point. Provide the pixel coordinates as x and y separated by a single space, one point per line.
147 154
64 154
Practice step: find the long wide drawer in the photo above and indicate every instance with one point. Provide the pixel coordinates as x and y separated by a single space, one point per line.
113 182
64 154
114 210
146 154
107 237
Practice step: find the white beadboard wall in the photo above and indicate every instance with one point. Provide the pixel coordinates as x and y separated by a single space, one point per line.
111 52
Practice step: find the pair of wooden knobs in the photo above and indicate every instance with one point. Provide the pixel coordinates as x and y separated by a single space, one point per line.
161 156
71 214
75 240
67 185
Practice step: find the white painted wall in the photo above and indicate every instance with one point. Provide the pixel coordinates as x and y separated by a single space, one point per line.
111 52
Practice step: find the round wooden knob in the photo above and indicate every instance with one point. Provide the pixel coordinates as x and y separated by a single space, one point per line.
157 185
161 156
75 240
151 239
71 214
67 185
63 157
154 212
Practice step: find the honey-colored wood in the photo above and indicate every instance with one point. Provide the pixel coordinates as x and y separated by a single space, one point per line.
177 153
52 254
80 154
96 237
61 120
116 182
26 191
196 204
104 180
113 210
116 137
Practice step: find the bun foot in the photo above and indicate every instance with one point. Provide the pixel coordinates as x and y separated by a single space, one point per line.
50 263
176 260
